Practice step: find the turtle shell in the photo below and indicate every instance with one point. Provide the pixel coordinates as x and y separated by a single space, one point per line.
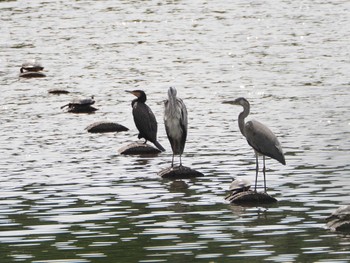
83 102
240 185
31 65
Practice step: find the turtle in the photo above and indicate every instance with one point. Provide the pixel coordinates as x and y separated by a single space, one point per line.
32 66
237 186
81 105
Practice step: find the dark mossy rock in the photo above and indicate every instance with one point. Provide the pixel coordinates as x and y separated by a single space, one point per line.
81 109
58 91
339 220
339 225
105 126
179 172
32 74
137 148
250 197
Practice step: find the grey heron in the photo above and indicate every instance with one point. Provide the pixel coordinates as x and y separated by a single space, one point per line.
259 137
175 121
144 118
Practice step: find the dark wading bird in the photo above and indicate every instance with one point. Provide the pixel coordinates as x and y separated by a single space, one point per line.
144 118
259 136
175 120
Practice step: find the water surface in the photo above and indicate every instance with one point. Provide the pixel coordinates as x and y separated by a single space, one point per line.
69 196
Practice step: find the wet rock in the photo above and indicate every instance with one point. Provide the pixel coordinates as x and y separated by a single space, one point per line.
105 126
339 220
81 109
250 197
32 74
179 172
58 91
137 148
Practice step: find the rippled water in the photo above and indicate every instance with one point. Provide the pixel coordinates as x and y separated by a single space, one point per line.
69 196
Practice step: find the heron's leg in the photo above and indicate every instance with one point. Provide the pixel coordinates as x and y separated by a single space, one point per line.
256 169
180 161
172 161
264 169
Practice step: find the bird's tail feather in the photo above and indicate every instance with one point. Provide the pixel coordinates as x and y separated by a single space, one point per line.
160 147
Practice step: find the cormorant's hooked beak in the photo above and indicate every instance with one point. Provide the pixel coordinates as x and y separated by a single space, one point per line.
232 102
133 92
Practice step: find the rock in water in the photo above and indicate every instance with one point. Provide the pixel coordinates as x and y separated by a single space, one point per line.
58 91
31 74
105 126
137 148
339 220
250 197
179 172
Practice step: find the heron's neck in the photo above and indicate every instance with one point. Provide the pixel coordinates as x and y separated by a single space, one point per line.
241 122
172 106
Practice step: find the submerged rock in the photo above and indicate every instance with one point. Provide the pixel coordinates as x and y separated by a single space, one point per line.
58 91
250 197
105 126
179 172
137 148
339 220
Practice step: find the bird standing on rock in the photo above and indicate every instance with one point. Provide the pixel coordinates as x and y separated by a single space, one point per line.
175 121
259 137
144 118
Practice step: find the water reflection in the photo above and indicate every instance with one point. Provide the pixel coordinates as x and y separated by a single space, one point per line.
68 196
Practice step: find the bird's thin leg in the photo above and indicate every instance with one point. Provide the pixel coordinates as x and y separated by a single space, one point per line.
180 161
264 169
256 169
172 161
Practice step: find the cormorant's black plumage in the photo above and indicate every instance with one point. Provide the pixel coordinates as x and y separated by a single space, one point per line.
144 119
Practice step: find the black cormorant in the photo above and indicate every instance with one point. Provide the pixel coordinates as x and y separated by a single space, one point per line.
144 118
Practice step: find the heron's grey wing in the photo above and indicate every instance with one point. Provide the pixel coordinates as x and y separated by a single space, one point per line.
183 121
263 140
166 113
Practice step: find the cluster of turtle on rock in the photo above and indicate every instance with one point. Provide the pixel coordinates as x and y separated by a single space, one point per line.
81 105
31 69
